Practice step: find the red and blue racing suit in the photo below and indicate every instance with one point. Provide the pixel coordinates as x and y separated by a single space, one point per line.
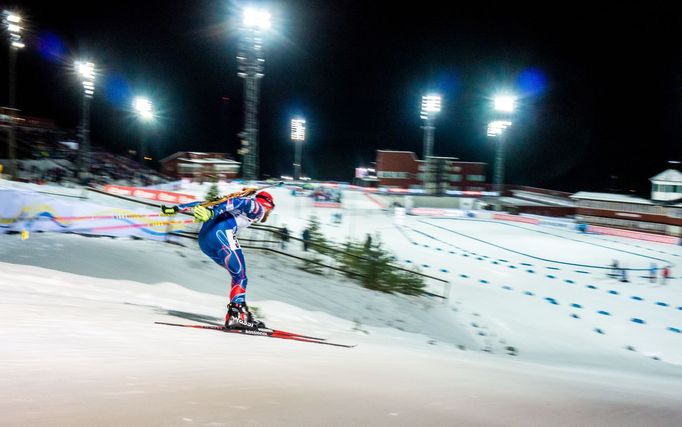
217 238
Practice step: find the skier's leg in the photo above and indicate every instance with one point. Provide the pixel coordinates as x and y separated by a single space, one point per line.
222 247
234 262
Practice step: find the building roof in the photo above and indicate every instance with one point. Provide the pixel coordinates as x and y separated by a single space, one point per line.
211 160
443 158
189 153
610 197
668 176
518 202
404 153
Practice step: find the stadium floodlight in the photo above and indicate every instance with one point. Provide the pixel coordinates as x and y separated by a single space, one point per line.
250 68
258 18
496 127
144 110
431 104
86 71
12 22
505 103
297 136
504 106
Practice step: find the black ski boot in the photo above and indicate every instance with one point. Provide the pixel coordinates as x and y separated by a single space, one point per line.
239 317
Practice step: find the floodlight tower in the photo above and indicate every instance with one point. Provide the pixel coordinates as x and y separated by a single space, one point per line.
297 136
12 23
430 108
86 70
250 68
143 108
504 107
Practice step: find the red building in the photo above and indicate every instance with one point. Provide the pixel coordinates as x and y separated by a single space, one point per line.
200 166
402 169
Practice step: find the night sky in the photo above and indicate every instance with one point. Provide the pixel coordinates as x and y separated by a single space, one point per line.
600 87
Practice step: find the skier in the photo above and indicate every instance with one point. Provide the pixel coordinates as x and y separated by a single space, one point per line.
306 238
665 274
217 239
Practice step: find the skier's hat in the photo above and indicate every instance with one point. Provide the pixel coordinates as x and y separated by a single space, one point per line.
265 199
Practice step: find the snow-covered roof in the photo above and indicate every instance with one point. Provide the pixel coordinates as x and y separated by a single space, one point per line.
187 153
668 176
209 160
518 202
610 197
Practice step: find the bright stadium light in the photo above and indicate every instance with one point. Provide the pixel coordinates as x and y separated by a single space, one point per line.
86 70
144 110
298 129
256 18
431 104
496 127
12 23
504 106
250 67
298 136
505 103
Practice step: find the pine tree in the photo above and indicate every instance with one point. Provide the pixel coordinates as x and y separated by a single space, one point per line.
373 263
213 192
319 242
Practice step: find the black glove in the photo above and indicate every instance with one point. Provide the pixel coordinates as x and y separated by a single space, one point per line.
169 210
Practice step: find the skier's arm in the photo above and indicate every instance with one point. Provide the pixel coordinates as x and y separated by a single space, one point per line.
245 204
171 210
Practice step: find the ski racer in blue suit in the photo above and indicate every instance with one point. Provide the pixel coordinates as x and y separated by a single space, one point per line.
217 239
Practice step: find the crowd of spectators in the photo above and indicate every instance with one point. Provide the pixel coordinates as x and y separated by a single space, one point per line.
43 162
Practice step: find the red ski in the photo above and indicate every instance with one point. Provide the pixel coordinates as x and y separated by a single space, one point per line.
264 332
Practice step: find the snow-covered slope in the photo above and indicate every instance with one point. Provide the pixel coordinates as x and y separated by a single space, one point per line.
78 345
80 351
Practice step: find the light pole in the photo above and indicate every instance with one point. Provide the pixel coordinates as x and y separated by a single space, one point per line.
504 107
297 136
12 22
430 108
143 108
87 72
250 68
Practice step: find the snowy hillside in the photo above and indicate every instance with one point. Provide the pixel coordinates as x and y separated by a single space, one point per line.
79 347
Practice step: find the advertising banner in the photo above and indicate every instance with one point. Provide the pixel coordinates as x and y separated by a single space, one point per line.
151 194
27 211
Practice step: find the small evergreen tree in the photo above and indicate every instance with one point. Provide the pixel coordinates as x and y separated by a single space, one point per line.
373 263
213 192
319 242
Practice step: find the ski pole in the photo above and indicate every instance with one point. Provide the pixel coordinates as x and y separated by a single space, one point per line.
120 227
78 218
25 233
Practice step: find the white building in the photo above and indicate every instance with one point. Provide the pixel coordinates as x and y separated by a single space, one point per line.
666 186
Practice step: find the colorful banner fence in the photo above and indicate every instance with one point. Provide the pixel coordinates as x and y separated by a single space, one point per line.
28 211
151 194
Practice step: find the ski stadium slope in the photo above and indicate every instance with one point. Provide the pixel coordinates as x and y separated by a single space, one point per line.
534 333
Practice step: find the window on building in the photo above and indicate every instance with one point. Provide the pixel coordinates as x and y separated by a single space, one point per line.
391 174
476 178
455 177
